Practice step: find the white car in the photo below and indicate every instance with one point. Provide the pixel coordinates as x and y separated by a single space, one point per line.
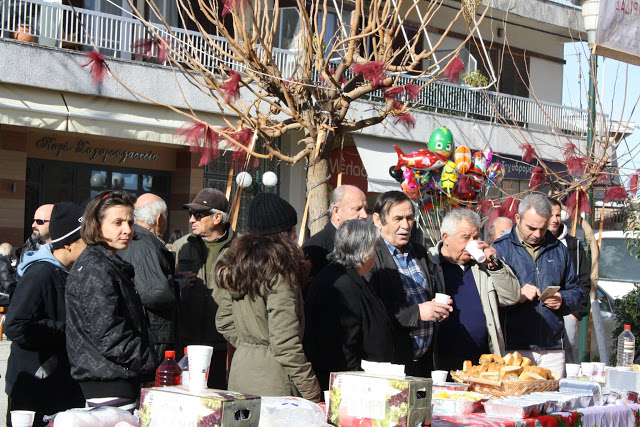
619 273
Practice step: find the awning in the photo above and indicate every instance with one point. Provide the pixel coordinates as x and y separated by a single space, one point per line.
378 155
92 115
25 106
128 120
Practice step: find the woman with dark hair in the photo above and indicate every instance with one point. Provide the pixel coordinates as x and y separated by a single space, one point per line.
261 311
107 332
346 321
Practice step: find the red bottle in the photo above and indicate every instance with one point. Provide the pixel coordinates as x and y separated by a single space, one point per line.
168 372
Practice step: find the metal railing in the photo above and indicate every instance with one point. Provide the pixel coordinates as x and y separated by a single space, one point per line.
62 26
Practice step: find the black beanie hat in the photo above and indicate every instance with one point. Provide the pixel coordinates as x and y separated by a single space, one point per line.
64 225
270 214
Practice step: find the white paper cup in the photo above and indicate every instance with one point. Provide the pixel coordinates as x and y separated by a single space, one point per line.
572 370
22 418
199 360
475 251
442 299
439 377
588 369
598 368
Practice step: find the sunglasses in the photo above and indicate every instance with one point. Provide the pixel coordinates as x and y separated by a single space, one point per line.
199 215
40 221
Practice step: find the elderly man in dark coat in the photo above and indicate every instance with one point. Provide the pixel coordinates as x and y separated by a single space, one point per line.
154 270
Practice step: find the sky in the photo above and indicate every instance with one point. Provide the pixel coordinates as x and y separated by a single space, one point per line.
614 78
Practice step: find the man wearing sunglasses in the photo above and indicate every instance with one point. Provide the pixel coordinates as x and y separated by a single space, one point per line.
39 230
196 255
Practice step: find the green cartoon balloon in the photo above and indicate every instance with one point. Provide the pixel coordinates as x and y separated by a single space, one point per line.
441 142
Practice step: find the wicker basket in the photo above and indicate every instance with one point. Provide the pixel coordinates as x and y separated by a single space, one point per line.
504 388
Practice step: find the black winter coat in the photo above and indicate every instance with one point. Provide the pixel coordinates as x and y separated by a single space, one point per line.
345 323
8 278
385 281
154 268
579 258
38 369
317 247
107 331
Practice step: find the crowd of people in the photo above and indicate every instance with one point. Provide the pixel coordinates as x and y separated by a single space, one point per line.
101 296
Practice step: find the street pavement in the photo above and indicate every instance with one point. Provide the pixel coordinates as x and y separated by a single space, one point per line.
5 346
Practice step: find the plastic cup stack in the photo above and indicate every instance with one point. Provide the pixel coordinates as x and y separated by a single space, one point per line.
199 360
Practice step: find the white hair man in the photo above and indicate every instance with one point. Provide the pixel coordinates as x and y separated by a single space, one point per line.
154 271
347 202
535 327
477 291
499 226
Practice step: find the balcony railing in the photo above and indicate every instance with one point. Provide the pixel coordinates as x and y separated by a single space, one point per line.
62 26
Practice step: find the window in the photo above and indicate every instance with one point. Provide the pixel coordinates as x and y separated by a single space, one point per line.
168 10
511 68
288 29
51 182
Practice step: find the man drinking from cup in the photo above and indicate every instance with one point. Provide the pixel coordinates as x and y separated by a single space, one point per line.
467 269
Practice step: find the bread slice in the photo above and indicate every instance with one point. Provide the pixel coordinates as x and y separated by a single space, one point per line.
506 370
508 359
517 359
525 362
466 366
498 359
487 358
528 375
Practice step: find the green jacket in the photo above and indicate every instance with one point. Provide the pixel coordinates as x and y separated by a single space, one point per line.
497 288
197 305
267 333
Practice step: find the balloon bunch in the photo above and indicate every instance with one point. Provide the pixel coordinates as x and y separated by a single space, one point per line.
441 175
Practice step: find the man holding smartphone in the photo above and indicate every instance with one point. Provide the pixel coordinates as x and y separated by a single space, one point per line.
534 327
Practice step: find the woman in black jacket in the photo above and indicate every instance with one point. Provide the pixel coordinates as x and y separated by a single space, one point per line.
345 320
107 332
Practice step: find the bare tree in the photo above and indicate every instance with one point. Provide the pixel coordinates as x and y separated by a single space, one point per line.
312 98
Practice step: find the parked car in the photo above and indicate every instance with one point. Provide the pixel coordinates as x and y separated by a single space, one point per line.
619 272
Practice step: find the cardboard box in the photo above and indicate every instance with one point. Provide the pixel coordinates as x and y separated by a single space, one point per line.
357 397
178 407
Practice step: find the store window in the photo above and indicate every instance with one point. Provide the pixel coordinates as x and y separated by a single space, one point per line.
51 182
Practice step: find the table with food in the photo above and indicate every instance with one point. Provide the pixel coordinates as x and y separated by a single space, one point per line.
492 391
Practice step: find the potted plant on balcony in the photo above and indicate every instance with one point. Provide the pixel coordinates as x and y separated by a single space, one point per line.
475 79
22 31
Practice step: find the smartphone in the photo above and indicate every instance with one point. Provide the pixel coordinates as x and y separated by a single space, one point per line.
550 291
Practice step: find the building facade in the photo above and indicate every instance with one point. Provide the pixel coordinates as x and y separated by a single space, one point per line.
64 138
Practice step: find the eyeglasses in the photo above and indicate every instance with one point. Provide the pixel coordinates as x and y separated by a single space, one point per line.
40 221
199 215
